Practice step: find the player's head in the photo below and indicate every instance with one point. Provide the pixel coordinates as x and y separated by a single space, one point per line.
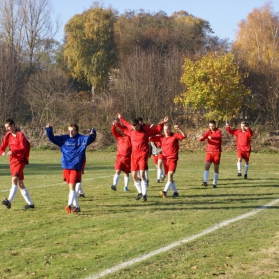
73 129
135 124
212 125
167 129
244 125
140 119
10 125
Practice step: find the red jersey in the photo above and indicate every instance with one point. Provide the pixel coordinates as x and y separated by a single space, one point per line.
243 138
170 145
139 139
19 146
213 144
124 147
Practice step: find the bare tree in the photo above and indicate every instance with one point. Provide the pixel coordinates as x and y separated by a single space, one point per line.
11 84
146 84
49 95
25 25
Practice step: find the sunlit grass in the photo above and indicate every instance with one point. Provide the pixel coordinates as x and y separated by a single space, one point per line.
113 227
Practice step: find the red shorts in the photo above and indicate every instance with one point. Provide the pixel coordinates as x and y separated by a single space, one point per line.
213 157
170 164
123 163
156 158
139 162
245 155
72 176
17 168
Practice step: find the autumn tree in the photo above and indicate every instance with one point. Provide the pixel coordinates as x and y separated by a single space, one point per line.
160 33
257 50
90 49
214 87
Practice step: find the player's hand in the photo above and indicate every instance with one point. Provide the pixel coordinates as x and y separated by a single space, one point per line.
209 137
166 119
9 153
48 125
3 154
118 115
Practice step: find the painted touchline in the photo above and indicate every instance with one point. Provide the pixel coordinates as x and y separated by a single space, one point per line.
177 243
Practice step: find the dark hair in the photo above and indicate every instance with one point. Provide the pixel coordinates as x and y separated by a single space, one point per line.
75 126
10 121
135 122
245 123
212 122
140 119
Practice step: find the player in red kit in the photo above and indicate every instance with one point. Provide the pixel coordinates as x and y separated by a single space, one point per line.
170 147
213 152
18 153
157 156
243 144
139 139
123 157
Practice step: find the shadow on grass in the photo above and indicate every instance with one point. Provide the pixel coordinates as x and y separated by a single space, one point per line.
44 169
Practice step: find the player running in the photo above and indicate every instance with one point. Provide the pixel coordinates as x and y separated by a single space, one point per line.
170 147
123 157
18 153
213 152
243 143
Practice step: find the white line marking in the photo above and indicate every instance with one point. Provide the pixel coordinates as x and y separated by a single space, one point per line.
177 243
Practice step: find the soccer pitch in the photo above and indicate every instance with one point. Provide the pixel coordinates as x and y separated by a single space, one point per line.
228 232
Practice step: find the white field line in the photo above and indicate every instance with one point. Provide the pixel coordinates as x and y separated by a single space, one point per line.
63 182
177 243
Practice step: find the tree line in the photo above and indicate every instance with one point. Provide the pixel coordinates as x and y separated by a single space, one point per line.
139 63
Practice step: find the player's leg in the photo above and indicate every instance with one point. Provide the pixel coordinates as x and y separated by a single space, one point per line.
25 195
239 163
246 167
206 169
216 161
116 178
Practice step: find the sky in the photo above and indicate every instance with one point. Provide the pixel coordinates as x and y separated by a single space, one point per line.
222 15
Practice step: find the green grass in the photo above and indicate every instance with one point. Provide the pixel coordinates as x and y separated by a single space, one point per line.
113 228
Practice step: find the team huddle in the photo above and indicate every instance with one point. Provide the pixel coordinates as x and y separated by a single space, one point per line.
136 142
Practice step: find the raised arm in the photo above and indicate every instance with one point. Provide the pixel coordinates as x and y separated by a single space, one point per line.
114 130
181 132
124 122
58 140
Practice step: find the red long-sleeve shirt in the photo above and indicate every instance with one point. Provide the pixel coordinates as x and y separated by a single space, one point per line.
170 145
139 139
124 146
213 144
243 138
18 145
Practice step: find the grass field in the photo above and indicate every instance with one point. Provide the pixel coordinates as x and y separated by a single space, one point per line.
114 228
